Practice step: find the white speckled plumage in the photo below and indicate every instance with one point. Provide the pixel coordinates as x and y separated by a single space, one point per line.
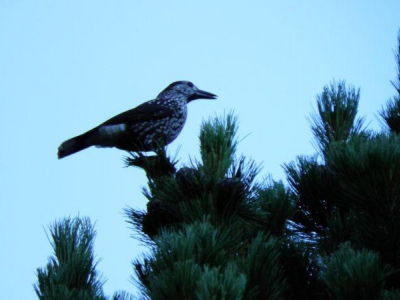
151 125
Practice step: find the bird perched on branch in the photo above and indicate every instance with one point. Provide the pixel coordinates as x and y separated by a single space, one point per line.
149 126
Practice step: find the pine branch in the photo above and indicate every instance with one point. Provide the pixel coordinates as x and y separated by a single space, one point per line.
265 278
155 166
391 113
396 83
312 189
336 120
179 263
218 145
351 274
71 273
276 200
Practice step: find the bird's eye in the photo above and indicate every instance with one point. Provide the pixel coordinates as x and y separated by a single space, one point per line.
190 84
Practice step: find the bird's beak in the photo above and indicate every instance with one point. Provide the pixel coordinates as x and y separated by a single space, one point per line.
202 95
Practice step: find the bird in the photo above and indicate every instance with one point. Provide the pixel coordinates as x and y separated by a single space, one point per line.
147 127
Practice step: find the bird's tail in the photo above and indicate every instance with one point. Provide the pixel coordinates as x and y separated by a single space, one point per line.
73 145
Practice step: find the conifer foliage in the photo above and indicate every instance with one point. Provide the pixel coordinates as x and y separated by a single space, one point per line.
71 272
210 223
216 230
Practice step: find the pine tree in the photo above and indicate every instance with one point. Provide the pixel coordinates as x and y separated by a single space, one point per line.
215 230
71 273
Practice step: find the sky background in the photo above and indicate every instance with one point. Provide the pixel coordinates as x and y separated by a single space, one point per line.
66 66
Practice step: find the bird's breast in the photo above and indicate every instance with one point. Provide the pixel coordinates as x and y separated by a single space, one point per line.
166 129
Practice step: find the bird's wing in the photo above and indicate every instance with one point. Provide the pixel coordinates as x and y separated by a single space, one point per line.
144 112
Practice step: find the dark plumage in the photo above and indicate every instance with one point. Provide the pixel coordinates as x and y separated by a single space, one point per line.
149 126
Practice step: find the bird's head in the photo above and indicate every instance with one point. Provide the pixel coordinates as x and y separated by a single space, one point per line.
185 89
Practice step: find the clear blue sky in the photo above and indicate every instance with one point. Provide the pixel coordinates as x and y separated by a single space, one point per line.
66 66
